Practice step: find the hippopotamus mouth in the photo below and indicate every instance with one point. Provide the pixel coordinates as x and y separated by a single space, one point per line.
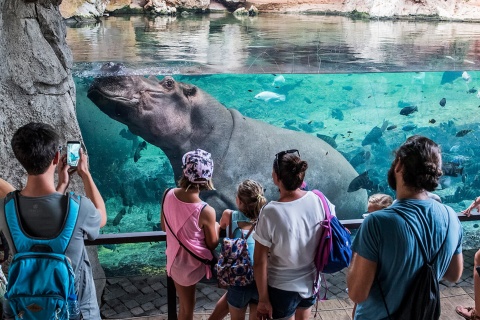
120 95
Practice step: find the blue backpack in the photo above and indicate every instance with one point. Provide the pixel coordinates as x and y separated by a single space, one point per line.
334 250
40 277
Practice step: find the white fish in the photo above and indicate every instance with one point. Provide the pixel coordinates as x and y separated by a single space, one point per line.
450 57
468 61
466 76
478 94
279 80
419 77
270 96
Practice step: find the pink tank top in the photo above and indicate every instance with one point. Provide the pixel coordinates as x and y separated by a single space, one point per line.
183 219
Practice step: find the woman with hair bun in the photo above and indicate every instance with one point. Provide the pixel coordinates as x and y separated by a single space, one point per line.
287 233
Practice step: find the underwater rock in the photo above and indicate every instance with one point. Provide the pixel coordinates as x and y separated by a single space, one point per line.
182 117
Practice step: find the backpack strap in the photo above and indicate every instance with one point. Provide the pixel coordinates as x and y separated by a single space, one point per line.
326 208
424 253
23 242
420 243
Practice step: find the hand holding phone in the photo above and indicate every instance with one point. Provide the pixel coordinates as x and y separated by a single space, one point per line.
73 153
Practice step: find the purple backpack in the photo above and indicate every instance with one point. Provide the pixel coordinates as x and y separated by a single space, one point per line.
333 252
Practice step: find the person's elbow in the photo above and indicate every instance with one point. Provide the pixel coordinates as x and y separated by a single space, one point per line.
103 218
357 296
455 269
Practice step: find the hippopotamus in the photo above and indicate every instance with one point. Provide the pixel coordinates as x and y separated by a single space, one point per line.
179 117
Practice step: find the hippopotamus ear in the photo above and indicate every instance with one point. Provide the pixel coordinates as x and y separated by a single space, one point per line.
189 91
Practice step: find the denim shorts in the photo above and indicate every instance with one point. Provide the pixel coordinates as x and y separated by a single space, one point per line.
285 303
240 296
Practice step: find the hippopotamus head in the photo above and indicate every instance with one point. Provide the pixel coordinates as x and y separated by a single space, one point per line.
136 100
166 113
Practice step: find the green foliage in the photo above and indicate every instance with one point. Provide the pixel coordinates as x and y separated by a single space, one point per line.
357 15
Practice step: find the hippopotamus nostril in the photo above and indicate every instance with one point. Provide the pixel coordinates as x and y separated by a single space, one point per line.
112 67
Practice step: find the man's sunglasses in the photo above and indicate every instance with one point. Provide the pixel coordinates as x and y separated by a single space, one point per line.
279 156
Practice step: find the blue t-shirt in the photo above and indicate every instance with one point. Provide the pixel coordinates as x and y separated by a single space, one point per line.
385 238
238 216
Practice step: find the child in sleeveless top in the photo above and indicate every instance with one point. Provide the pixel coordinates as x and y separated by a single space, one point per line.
250 200
188 220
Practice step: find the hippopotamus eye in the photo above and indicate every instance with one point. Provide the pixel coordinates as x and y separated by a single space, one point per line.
169 83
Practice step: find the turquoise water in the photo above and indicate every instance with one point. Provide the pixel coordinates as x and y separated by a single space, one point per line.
345 106
337 79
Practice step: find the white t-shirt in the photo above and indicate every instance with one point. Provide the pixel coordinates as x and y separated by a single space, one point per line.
292 232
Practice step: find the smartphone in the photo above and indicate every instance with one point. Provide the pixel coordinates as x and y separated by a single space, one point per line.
73 153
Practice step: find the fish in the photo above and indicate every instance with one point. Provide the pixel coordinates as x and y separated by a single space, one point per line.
149 215
391 127
307 100
462 133
307 127
468 61
432 121
373 136
289 122
119 216
443 102
360 158
409 127
360 182
337 114
278 80
450 57
472 90
419 76
347 88
126 134
478 96
250 90
408 110
451 169
466 76
268 96
450 76
330 140
329 83
142 145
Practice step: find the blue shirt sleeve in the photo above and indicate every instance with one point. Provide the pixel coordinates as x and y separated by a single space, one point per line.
366 243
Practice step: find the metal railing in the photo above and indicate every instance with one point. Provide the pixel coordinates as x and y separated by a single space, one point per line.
159 236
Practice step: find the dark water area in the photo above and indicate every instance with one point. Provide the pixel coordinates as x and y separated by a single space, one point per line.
361 86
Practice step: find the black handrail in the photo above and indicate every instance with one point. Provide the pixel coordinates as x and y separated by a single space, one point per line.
158 236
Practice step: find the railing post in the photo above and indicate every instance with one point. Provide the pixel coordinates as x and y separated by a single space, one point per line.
171 299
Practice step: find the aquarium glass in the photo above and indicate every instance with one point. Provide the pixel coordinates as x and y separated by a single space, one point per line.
362 86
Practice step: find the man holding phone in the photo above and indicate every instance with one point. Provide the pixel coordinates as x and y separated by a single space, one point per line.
42 207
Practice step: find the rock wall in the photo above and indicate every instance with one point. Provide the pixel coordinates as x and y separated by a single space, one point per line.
36 84
468 10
